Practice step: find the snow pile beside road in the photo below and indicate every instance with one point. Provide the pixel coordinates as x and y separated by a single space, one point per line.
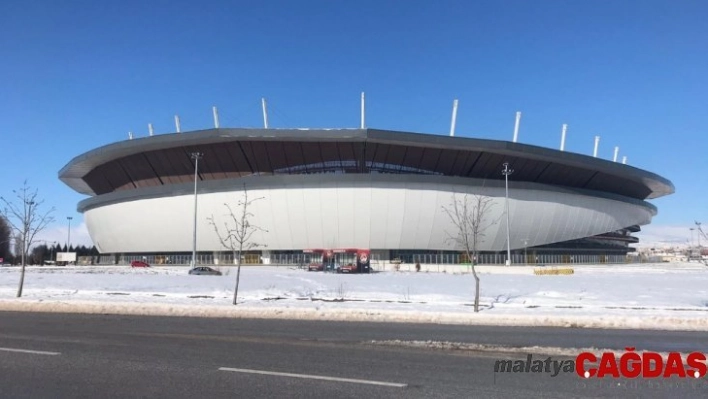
666 296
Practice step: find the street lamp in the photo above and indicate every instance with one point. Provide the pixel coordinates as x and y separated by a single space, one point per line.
506 172
196 156
698 235
68 238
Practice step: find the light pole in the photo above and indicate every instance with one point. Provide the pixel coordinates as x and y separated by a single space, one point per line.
68 238
698 227
196 156
506 172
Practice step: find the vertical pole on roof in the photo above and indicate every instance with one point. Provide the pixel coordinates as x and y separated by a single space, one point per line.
130 135
617 150
177 125
265 113
455 102
150 129
196 156
624 160
216 116
363 111
565 128
597 144
506 172
516 126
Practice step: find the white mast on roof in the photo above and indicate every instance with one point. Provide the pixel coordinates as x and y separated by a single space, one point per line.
363 111
455 102
130 135
177 125
216 116
597 143
617 150
516 125
150 129
565 128
265 113
624 160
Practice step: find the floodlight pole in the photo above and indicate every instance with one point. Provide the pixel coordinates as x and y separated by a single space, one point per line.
506 172
68 239
698 227
196 156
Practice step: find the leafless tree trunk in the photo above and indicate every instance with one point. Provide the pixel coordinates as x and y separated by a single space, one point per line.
470 216
237 232
26 220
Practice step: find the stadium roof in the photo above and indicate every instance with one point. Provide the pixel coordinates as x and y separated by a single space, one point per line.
232 153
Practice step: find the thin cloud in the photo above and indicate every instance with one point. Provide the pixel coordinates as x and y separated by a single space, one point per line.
59 234
665 236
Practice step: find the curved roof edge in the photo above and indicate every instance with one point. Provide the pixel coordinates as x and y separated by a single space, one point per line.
73 172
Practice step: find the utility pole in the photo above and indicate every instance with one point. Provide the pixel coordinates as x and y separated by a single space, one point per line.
196 156
506 172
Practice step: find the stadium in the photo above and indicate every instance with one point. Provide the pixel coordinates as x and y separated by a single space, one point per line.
333 192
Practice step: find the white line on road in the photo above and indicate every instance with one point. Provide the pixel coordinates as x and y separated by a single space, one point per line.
315 377
30 351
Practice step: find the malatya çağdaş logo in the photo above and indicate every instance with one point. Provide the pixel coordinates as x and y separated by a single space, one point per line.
630 364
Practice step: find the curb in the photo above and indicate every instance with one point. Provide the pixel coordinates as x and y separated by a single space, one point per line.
356 315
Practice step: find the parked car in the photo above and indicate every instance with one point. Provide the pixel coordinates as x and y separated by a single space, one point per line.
315 267
204 271
139 263
348 268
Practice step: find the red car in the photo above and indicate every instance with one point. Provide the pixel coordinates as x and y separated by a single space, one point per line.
315 267
349 268
139 263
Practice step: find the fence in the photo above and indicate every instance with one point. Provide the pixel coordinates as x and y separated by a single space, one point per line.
227 258
516 258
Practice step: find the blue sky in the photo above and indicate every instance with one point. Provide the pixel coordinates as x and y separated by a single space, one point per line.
79 74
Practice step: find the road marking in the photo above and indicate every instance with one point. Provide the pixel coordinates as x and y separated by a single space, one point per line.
30 351
315 377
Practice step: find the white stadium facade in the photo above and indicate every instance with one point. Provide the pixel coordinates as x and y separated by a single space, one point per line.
336 191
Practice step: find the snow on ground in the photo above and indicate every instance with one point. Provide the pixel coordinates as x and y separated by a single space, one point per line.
654 296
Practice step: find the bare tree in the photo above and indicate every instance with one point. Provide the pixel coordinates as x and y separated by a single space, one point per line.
470 216
26 220
238 232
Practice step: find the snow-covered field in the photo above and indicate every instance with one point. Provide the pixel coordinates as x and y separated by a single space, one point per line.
661 296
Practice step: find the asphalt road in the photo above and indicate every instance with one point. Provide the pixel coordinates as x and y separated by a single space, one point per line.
105 356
